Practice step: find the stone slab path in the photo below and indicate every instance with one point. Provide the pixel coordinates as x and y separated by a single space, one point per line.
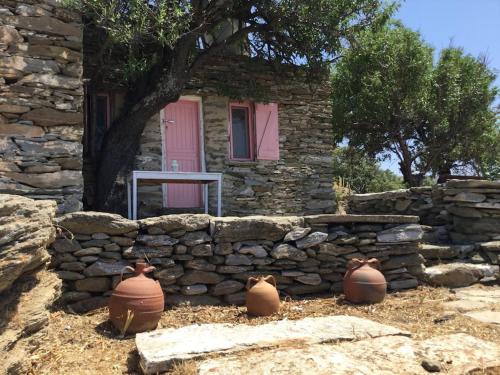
478 302
159 349
451 354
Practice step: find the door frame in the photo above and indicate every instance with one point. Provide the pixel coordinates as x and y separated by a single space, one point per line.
201 134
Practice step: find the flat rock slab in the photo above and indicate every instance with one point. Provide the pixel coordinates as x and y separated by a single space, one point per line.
489 317
353 218
158 349
459 274
478 302
454 354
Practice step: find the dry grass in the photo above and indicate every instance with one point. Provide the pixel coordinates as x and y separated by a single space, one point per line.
88 344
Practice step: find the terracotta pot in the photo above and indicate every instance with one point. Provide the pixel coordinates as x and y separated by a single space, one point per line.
363 283
138 299
262 297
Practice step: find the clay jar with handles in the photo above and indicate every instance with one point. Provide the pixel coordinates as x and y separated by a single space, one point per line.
363 282
138 299
262 298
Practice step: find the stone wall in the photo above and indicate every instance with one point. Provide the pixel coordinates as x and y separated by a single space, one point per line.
418 201
206 260
463 213
27 289
41 92
299 183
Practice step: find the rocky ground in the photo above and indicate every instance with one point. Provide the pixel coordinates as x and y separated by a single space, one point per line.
87 344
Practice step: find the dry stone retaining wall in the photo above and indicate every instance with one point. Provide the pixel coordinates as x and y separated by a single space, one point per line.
461 217
206 260
41 92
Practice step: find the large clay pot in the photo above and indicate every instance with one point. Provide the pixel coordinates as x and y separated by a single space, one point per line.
363 282
262 298
139 300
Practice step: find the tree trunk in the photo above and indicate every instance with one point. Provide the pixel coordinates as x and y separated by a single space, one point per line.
122 142
410 179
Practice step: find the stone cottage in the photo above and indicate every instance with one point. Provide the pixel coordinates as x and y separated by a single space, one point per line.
272 142
273 147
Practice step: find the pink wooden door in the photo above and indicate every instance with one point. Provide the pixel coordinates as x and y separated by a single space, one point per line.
182 144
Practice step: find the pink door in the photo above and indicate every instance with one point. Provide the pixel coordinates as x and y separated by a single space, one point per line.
182 146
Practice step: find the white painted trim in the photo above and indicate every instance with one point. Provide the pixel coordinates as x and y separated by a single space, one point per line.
163 157
192 98
183 177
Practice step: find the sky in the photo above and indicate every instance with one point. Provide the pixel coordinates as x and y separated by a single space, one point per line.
471 24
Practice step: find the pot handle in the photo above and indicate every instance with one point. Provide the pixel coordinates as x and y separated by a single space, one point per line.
271 280
251 282
354 263
374 262
123 270
149 269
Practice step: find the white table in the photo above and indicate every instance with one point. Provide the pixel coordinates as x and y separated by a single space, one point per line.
159 177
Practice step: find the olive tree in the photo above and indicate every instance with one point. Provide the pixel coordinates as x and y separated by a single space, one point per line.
163 42
390 98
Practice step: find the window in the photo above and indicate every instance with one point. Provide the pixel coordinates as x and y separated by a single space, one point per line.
254 131
241 131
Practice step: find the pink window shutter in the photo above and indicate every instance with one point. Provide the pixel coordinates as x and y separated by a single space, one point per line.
267 131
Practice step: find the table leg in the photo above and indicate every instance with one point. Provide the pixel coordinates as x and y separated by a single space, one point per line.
134 198
205 196
219 197
129 200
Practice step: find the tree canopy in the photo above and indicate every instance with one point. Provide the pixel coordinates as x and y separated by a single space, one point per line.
390 98
162 42
361 173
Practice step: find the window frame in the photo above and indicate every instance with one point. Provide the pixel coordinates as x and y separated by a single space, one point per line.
248 106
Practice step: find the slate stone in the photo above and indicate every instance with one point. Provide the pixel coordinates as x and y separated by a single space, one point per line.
311 240
200 277
137 251
156 241
192 290
296 234
101 268
72 266
200 265
195 238
286 251
309 279
226 287
401 233
169 275
63 245
96 222
88 251
255 250
238 260
202 250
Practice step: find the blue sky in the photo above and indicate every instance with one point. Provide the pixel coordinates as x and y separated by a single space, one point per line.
471 24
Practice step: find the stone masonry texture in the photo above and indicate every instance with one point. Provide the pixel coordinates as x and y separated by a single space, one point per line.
41 94
202 259
299 183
